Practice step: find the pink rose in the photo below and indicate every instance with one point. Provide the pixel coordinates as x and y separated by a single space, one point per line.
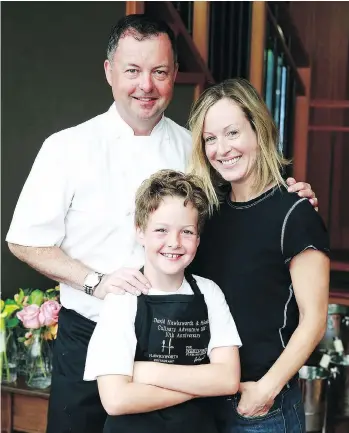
48 315
29 316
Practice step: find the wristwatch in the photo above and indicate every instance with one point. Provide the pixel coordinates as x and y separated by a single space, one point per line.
91 282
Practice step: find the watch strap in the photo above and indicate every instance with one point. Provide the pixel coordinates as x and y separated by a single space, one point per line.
90 290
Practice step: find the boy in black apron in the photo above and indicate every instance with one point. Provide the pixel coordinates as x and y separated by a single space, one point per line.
184 324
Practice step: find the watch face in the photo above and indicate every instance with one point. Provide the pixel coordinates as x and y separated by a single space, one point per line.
92 280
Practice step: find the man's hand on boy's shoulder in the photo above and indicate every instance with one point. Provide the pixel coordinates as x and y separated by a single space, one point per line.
123 280
303 189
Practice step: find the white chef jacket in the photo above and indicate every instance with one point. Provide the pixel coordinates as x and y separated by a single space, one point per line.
80 194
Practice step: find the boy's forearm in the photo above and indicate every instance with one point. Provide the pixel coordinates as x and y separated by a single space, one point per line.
201 380
140 398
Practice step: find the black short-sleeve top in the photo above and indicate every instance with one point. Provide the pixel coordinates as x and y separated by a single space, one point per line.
246 248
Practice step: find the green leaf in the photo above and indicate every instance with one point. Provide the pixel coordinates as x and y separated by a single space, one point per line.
36 297
10 308
12 323
10 302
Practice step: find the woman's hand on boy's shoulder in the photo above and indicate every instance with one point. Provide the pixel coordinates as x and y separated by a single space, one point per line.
123 280
303 189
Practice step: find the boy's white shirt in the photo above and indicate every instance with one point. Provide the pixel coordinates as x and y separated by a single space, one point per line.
113 344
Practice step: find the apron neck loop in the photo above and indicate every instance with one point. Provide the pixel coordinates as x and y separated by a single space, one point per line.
191 280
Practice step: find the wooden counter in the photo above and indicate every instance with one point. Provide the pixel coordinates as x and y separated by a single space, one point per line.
23 409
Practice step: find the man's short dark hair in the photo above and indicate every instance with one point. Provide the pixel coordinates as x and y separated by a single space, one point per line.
141 27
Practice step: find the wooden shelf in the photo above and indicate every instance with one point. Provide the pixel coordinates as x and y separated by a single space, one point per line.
338 296
329 103
339 266
328 128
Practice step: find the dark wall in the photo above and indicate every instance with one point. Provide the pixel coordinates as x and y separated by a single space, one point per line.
52 78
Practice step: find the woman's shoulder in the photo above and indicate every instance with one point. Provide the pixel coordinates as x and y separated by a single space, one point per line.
292 204
286 202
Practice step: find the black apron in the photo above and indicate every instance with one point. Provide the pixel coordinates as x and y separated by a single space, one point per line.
74 405
173 329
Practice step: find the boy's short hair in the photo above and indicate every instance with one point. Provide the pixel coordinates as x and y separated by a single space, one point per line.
170 183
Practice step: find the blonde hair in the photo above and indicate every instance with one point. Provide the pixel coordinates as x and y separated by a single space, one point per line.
269 161
165 183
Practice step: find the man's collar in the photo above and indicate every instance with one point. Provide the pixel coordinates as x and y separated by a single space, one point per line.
123 129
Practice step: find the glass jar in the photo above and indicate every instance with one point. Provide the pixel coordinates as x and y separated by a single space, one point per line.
39 362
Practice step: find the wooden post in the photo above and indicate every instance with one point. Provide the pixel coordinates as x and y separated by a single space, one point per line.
134 7
201 27
258 29
301 123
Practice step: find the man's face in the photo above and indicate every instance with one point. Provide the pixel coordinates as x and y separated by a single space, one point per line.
142 76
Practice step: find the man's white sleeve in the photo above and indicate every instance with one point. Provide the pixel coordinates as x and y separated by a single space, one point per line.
222 325
113 343
39 216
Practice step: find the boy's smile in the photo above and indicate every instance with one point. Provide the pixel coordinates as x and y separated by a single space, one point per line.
170 240
172 256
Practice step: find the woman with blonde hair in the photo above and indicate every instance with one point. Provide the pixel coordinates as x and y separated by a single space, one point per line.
267 250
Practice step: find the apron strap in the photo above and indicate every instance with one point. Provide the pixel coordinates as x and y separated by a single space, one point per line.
192 282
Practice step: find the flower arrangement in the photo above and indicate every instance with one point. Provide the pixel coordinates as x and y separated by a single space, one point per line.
40 312
33 314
